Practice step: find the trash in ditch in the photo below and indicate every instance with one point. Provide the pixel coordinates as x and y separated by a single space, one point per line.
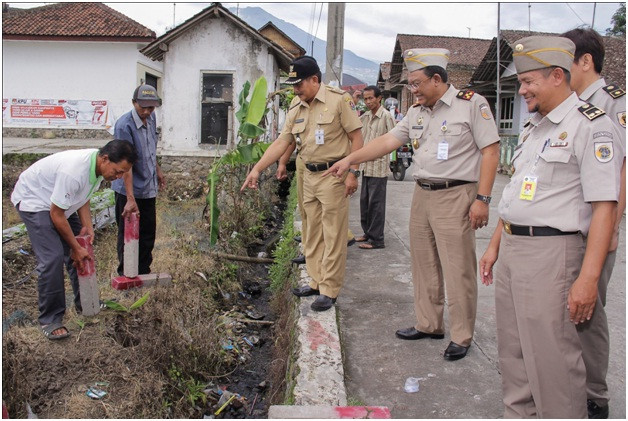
252 287
29 412
252 314
412 385
262 255
95 393
24 252
244 295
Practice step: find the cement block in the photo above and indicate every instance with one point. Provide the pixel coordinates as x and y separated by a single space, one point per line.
123 282
88 282
328 412
131 244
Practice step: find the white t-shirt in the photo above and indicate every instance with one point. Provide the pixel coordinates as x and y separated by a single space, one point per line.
67 179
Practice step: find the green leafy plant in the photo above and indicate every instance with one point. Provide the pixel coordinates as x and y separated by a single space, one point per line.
119 307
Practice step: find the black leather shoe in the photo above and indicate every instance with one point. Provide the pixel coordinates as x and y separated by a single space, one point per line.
455 352
351 242
411 334
322 303
297 238
596 412
305 291
299 260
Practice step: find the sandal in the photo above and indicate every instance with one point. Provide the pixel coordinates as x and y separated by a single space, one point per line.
370 246
48 329
361 239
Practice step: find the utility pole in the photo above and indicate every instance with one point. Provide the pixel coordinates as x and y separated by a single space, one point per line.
498 86
335 43
593 20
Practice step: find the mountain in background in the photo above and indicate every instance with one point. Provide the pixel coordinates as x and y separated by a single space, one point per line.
361 68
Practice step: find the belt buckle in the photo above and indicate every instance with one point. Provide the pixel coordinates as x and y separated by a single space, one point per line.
426 186
507 228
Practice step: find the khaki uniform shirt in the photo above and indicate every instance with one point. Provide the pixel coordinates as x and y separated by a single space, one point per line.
575 160
466 125
615 107
332 111
374 126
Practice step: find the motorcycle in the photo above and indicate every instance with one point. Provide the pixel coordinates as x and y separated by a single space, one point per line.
400 160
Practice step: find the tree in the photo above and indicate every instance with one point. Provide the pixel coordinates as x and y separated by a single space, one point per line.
619 23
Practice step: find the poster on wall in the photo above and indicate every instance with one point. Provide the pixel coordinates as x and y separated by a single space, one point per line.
84 114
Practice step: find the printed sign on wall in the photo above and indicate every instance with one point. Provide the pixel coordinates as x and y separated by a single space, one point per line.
18 112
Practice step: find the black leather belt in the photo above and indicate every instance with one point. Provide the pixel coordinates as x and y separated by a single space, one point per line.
320 167
534 231
426 185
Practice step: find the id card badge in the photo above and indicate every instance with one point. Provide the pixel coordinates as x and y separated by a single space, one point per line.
528 187
319 135
443 151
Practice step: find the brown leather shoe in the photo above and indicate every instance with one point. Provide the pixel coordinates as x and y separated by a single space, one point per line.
412 334
455 351
305 291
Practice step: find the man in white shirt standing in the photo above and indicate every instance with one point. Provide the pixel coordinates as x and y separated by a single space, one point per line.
52 198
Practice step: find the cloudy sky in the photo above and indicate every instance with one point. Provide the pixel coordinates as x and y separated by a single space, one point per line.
371 28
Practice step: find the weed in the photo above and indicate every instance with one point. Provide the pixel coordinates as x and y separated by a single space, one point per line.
119 307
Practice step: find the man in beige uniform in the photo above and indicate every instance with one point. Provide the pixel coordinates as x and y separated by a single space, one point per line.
591 87
327 128
455 160
565 186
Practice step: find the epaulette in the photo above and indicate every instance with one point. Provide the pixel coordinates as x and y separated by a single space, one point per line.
466 95
527 123
614 91
335 90
294 103
591 111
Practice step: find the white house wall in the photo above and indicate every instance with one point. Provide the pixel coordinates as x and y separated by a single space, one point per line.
214 46
73 70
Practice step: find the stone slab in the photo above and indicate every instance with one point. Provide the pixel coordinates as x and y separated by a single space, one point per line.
327 412
121 283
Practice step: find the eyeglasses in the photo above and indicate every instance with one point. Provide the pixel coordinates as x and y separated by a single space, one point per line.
415 86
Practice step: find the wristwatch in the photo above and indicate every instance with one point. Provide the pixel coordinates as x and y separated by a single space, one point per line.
355 172
485 199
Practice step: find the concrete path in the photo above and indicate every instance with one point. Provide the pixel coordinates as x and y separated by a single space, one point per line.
377 299
38 145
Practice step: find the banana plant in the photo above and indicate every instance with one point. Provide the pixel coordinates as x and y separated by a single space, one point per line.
249 116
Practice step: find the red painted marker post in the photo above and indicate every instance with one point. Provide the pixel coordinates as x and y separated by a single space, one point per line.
88 283
131 244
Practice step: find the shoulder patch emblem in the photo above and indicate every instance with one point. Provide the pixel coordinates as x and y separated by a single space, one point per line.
466 95
603 151
485 111
335 90
591 111
614 91
621 118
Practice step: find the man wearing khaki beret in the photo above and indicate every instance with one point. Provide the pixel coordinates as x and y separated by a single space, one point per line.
455 161
563 191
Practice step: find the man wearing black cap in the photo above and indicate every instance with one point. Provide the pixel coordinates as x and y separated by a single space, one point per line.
137 190
325 127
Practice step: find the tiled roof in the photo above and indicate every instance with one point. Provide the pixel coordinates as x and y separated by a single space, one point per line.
73 21
614 69
464 51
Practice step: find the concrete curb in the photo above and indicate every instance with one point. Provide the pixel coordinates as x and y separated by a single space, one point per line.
328 412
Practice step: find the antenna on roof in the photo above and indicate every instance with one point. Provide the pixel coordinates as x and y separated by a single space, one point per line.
174 13
469 28
529 8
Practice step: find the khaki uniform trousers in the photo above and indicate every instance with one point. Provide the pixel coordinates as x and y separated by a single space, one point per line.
442 247
327 213
540 356
594 338
300 168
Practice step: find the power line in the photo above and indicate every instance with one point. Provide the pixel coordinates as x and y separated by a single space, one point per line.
317 25
574 12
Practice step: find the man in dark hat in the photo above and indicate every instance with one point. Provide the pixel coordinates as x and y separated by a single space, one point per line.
137 190
323 123
564 190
